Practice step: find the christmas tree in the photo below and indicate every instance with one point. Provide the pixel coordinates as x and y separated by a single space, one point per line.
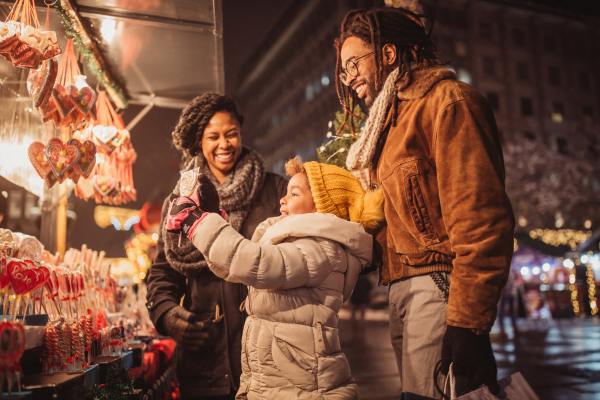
336 150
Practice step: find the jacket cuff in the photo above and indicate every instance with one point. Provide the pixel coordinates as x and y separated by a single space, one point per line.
206 232
157 309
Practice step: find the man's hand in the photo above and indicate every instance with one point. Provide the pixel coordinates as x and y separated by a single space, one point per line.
180 324
471 356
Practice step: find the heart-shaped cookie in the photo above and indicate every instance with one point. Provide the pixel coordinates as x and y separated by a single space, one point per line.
62 100
103 184
37 156
61 157
83 98
105 133
9 37
87 158
90 158
41 81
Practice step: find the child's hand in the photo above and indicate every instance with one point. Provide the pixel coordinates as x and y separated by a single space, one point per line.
186 213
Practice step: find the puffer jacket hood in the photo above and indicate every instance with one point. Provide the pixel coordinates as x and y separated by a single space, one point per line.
299 270
351 235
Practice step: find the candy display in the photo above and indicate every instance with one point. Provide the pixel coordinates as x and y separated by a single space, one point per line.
77 293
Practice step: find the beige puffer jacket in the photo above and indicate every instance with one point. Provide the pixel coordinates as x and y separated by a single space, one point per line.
299 271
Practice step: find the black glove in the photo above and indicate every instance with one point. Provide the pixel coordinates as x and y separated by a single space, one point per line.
188 333
208 195
471 356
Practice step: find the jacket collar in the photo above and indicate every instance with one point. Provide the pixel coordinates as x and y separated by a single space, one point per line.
319 225
423 78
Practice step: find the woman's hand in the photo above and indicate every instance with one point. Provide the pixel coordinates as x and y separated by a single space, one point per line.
186 213
188 333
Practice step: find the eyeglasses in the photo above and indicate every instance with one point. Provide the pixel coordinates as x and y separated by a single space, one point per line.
351 68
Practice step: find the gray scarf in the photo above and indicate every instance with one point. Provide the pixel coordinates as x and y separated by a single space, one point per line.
238 193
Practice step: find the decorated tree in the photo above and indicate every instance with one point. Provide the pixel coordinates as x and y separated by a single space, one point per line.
335 151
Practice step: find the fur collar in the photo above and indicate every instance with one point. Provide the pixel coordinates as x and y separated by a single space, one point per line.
422 80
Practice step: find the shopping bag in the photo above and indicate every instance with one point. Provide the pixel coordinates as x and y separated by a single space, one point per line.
513 387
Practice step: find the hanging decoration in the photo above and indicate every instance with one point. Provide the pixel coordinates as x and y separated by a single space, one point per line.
111 180
22 42
58 161
89 51
71 100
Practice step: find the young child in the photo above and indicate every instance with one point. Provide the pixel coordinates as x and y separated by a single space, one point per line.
300 268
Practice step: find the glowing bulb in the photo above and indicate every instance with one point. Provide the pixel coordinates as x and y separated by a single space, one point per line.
546 267
568 263
584 258
535 270
108 29
155 237
524 271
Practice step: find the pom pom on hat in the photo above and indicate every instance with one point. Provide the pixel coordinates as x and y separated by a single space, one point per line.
336 191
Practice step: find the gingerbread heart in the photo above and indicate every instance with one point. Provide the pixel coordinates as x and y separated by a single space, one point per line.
37 156
9 37
87 159
22 279
105 133
83 98
103 184
61 157
62 100
40 82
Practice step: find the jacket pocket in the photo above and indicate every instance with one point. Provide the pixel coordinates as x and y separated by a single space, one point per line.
293 355
417 208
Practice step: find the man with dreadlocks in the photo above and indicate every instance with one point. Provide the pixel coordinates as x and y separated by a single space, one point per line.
432 145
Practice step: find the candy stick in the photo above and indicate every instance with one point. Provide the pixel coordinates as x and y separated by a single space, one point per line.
88 336
62 345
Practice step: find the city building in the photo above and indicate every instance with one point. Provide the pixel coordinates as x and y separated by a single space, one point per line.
535 63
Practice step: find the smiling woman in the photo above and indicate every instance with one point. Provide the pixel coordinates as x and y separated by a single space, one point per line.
207 327
222 144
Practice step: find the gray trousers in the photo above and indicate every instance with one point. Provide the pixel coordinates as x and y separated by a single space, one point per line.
417 325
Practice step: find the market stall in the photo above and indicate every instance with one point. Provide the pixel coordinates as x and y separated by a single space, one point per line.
558 273
69 315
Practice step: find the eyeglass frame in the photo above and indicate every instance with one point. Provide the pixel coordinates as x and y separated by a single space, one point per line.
344 74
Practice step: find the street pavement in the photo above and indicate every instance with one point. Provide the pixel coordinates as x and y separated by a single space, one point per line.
560 360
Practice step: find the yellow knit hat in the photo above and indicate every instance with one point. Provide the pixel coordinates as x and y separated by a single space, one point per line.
338 192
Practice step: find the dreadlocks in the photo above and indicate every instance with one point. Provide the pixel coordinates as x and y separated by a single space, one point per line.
378 27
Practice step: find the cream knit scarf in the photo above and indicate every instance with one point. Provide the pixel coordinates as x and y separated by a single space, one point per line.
362 151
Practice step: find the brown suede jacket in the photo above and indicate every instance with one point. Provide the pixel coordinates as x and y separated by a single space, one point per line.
442 173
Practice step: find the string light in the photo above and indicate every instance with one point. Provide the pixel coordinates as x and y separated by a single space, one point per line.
591 288
572 285
560 237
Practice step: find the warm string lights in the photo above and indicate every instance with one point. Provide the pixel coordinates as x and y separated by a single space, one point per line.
559 237
591 288
570 265
137 252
